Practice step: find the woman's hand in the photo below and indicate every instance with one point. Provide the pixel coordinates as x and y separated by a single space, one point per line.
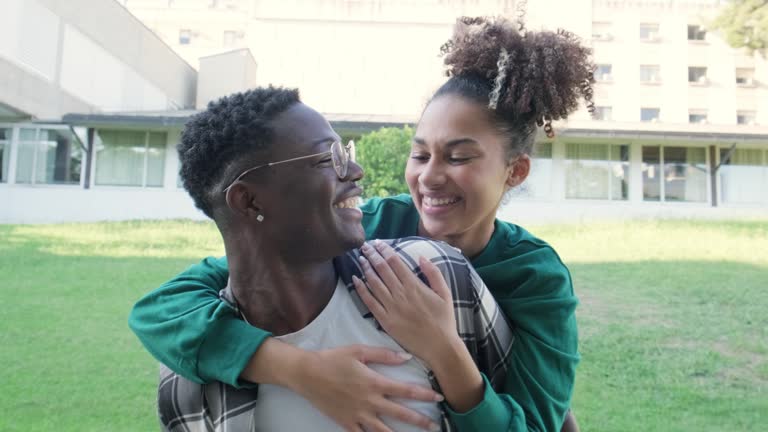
418 317
339 383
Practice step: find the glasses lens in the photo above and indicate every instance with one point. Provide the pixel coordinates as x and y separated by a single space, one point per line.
340 159
351 150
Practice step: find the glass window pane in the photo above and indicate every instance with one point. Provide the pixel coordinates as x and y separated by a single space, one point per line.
59 157
588 171
744 177
5 150
650 73
120 158
25 155
619 186
685 174
649 114
651 173
156 158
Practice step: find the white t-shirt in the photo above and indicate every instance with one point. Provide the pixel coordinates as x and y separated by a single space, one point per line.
339 324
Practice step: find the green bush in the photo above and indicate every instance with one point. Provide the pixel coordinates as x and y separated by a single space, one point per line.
383 154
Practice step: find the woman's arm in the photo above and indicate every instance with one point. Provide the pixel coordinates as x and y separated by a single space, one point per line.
187 327
539 379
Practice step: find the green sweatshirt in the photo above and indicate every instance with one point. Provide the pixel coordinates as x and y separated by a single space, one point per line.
185 325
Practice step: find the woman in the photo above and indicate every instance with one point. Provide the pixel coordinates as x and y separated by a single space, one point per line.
471 146
272 174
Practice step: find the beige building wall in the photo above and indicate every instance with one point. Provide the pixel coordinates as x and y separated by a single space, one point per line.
719 97
355 58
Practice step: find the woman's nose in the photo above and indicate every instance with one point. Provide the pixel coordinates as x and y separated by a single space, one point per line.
433 174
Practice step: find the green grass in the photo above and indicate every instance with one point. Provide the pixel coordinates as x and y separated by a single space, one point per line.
673 322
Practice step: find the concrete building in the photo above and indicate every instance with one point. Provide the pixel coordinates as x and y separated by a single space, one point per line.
681 127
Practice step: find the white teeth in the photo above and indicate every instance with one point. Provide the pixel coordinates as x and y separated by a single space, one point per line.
348 203
436 202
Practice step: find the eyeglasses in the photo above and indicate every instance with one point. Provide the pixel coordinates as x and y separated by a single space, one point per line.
340 156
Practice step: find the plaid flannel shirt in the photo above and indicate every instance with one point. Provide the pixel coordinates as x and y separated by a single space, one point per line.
187 406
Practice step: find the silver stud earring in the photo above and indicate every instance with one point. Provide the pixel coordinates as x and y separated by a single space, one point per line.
260 218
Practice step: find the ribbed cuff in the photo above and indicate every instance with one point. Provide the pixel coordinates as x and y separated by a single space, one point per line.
491 414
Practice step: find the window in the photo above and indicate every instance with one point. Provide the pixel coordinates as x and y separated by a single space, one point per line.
697 75
539 181
185 37
130 158
746 118
650 74
649 115
744 176
684 172
603 113
601 31
603 73
745 77
696 33
649 32
697 116
5 153
596 171
48 156
230 38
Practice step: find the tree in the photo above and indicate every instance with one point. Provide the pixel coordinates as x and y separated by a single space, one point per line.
744 24
383 154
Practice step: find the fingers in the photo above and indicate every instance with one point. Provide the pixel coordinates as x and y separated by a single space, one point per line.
382 266
379 289
400 268
405 415
370 301
368 354
375 424
435 278
396 389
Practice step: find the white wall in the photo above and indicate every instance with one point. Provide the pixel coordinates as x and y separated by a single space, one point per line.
721 98
224 74
48 204
87 55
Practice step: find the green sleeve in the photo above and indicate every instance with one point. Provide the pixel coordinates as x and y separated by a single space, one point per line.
185 325
540 304
494 413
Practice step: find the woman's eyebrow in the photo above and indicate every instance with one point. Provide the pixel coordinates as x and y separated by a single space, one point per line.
449 144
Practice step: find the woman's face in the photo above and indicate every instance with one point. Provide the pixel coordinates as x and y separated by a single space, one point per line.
310 212
457 172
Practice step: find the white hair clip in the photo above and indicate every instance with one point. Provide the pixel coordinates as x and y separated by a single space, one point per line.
501 77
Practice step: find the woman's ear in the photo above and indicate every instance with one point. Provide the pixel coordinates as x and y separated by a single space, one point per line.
518 170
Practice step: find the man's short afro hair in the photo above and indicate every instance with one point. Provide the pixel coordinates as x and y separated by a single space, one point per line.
230 128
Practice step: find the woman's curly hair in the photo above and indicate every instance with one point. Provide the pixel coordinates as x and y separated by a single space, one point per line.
533 77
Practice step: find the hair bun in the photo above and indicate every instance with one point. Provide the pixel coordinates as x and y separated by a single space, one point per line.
536 76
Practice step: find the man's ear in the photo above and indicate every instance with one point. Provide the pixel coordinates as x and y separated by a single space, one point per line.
519 170
242 199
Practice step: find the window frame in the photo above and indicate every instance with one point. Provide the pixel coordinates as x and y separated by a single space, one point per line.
145 161
662 173
719 179
698 81
699 30
656 119
611 148
13 155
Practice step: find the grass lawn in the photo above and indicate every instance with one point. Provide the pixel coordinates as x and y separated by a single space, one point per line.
673 322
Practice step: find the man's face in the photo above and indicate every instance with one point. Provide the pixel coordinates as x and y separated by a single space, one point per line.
306 206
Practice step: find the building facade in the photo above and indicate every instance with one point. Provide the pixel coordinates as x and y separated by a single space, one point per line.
90 128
